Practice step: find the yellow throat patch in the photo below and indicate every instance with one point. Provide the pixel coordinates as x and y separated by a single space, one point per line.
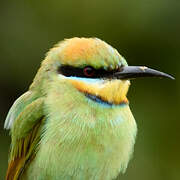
111 91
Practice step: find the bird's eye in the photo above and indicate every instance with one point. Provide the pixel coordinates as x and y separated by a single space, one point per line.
89 71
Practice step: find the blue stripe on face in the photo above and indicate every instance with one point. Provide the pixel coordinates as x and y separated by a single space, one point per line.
87 80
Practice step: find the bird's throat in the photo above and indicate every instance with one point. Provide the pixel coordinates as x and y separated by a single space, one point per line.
110 92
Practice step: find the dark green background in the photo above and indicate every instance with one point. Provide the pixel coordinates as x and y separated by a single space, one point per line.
145 32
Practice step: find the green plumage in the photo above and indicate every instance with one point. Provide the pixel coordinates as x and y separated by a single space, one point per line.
81 139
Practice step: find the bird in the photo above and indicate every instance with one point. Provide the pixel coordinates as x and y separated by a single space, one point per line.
74 122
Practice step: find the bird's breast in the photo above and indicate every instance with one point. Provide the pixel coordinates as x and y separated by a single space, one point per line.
82 139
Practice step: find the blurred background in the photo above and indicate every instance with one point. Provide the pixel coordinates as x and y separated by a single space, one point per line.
145 32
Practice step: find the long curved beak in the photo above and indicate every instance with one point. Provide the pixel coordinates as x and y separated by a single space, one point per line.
131 72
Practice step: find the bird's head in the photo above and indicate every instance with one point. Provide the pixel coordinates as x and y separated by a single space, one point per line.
92 67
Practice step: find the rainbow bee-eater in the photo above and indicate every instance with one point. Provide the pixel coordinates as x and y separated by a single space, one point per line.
74 122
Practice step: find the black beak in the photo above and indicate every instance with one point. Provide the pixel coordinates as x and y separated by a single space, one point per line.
131 72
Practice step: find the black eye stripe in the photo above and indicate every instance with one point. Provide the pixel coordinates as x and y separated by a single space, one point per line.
70 71
79 72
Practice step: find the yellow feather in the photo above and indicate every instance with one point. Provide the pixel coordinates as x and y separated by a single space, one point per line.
111 91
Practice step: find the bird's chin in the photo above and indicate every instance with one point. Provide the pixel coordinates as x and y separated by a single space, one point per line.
110 92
